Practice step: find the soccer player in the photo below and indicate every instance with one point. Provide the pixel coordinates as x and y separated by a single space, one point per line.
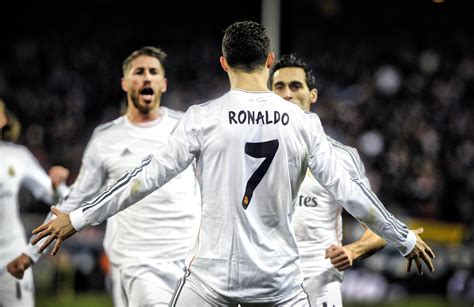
146 244
252 149
18 167
317 220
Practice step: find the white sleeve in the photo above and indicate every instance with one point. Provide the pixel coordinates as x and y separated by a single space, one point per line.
36 180
90 180
351 161
154 172
354 195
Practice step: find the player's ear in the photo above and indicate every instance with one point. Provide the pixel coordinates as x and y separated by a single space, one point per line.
313 94
164 87
224 64
270 59
124 85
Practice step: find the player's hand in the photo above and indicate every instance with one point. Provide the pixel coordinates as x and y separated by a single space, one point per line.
58 175
340 256
421 251
19 265
59 228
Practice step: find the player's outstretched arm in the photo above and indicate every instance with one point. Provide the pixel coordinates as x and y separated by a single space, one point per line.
421 251
58 229
58 175
343 257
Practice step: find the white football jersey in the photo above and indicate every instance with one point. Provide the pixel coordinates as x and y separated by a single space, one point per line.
252 151
163 226
18 167
317 220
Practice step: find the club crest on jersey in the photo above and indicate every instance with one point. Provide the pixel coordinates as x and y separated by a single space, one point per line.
11 171
258 118
136 186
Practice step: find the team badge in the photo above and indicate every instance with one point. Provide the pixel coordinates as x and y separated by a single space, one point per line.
11 171
136 187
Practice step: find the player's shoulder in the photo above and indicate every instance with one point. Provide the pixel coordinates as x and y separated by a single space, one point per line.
17 152
349 155
203 108
108 126
173 114
14 148
343 149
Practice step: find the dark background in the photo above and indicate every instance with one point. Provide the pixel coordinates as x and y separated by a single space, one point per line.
395 80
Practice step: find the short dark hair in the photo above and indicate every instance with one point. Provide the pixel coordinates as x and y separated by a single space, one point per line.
246 45
291 60
147 50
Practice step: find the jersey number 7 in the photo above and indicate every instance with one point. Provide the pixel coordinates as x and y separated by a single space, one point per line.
265 150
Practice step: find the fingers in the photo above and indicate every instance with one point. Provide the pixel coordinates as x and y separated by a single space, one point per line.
429 251
418 265
40 228
334 251
55 210
19 274
427 261
409 261
330 250
341 262
15 269
46 243
418 231
56 247
40 236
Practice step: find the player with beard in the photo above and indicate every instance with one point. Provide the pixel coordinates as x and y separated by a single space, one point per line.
146 244
252 150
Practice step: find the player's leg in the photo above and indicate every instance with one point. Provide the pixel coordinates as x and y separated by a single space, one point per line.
192 292
15 292
295 299
323 292
117 289
152 285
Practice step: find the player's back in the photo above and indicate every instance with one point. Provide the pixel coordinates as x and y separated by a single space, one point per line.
254 153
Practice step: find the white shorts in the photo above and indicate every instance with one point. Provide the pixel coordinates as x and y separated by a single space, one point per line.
15 292
145 285
323 291
193 292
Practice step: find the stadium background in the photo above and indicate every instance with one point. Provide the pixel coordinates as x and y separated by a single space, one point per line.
395 80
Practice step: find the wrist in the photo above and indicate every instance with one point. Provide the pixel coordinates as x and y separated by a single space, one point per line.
354 251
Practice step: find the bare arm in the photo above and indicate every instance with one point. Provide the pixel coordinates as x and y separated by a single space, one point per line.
342 257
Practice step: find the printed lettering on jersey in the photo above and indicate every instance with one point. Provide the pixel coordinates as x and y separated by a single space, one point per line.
307 201
258 117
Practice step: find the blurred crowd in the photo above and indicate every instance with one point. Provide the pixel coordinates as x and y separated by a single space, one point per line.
410 113
408 110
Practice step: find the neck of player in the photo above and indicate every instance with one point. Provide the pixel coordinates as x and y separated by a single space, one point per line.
255 81
135 116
